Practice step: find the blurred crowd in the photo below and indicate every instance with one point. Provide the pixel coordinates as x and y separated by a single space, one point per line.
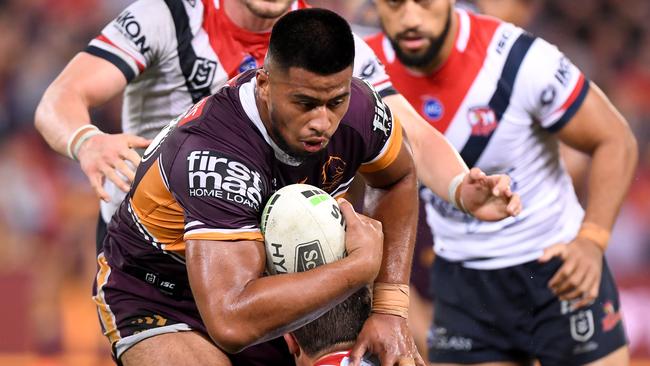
48 211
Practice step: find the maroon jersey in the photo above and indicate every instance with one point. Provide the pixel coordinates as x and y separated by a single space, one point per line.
208 175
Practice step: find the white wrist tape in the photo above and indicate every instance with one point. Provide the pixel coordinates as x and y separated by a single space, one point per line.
454 184
78 137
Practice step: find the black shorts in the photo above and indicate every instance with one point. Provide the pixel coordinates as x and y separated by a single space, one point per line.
510 314
131 310
423 256
100 234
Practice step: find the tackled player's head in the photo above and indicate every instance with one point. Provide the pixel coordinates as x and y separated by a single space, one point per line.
304 88
335 330
417 29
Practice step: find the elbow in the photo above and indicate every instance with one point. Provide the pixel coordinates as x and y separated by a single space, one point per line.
231 336
45 110
39 115
631 148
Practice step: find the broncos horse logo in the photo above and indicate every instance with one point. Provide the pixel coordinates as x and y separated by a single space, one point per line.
332 172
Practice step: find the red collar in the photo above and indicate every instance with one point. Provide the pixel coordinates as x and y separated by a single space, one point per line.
332 359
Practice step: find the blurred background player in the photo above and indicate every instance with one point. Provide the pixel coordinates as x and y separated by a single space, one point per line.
502 96
328 339
521 13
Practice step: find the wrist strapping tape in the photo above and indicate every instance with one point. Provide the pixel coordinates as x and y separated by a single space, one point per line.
453 192
595 233
78 137
391 299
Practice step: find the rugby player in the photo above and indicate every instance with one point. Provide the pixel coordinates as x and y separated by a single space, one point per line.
328 339
535 286
183 260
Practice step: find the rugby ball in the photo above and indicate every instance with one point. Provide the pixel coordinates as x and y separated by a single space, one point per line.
303 228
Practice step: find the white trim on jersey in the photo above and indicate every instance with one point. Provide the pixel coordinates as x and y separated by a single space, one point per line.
464 31
193 223
221 231
342 188
389 52
247 98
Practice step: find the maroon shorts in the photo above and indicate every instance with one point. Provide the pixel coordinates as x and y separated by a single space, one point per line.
131 310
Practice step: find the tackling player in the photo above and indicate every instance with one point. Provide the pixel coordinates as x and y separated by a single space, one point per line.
534 286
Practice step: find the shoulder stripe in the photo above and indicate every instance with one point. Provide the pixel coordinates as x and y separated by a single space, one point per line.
115 60
388 153
500 100
103 38
572 104
386 91
186 55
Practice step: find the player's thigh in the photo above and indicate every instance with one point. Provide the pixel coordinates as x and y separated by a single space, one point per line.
620 357
178 349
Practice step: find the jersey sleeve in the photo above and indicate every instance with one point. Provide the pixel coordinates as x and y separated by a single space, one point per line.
221 193
553 87
136 38
383 136
368 67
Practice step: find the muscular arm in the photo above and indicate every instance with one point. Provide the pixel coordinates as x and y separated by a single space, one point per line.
392 199
240 308
600 131
87 81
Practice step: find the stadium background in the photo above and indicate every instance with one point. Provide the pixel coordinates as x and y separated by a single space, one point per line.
48 212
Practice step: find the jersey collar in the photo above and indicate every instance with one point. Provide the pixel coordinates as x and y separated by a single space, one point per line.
247 99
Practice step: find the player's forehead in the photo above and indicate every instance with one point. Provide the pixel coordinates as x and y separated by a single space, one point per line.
299 81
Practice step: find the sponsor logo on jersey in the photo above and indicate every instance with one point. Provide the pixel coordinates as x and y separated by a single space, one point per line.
432 108
332 173
611 318
203 73
563 72
130 27
247 63
382 121
213 174
191 2
368 69
483 120
501 44
582 325
548 96
309 255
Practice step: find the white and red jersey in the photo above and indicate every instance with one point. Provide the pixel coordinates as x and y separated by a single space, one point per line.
341 358
498 99
175 52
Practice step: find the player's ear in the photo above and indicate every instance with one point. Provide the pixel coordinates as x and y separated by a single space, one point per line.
294 348
262 78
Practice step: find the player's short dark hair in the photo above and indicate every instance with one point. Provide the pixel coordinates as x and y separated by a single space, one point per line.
341 324
317 40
